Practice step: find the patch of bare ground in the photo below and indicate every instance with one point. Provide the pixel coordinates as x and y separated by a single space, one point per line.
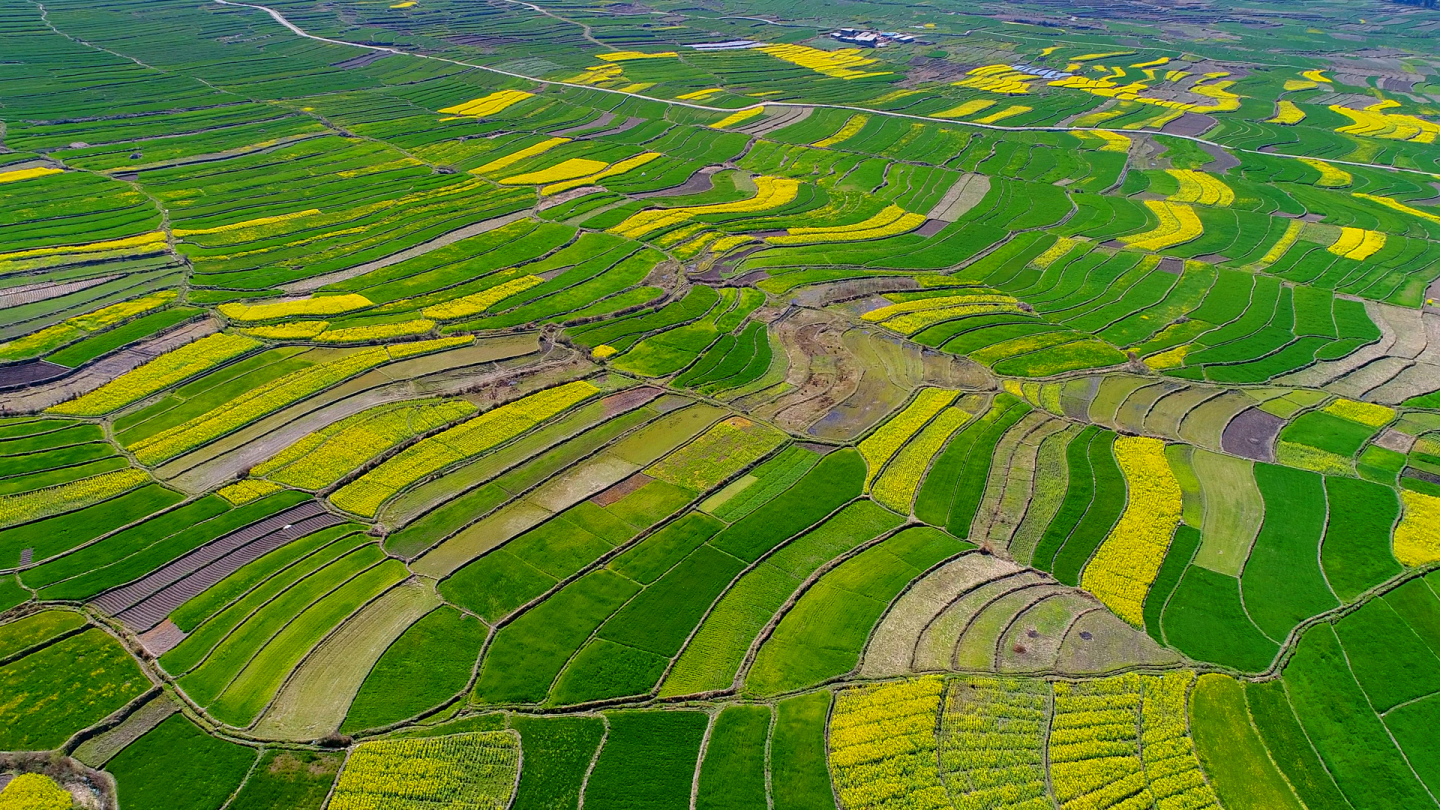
599 122
629 124
21 375
1252 434
620 490
701 181
966 193
821 370
820 295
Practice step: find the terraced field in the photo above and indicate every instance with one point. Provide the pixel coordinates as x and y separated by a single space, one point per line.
536 406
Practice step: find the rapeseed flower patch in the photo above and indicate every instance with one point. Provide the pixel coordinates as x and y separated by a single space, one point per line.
158 374
840 64
254 404
970 107
1009 112
1417 538
886 440
295 330
70 329
1357 243
565 170
1372 123
251 489
506 161
1201 188
1365 413
1286 113
366 494
471 771
891 221
1396 205
488 105
897 485
1330 176
321 458
738 117
1127 561
617 168
770 192
1177 225
381 331
23 507
320 305
476 303
258 223
882 746
626 56
851 129
16 175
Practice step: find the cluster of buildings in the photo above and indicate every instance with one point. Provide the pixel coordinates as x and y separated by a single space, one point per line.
871 39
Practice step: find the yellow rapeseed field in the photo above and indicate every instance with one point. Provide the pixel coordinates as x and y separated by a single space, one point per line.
1357 243
851 129
738 117
295 330
888 222
505 161
1000 115
488 105
1417 538
15 175
1177 225
770 192
885 441
564 170
840 64
997 79
1125 565
366 494
23 507
970 107
382 331
883 747
476 303
1287 113
626 56
1330 176
616 168
1201 188
257 223
251 489
1365 413
321 305
1371 122
158 374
